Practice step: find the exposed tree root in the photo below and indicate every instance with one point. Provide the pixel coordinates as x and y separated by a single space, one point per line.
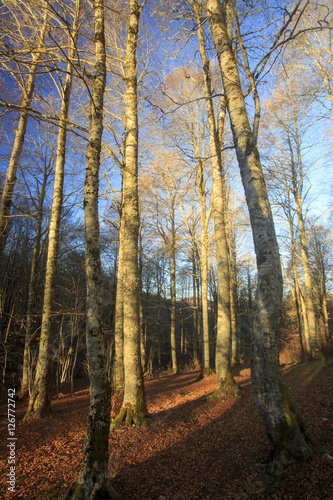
131 417
94 489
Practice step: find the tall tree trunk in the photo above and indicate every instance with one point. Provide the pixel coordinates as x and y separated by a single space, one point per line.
173 302
7 194
133 410
299 301
310 310
195 311
225 380
206 371
285 428
26 371
93 481
40 399
297 188
118 365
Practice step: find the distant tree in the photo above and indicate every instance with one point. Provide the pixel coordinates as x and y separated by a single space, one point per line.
288 121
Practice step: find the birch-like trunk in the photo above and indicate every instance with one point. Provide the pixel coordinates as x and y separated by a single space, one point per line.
133 410
7 194
93 481
285 428
40 399
225 380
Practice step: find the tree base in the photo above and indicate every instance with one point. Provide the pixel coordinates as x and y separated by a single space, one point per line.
294 440
97 490
39 413
226 387
131 418
206 372
231 390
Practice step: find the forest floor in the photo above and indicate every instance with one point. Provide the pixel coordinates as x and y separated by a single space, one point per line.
195 449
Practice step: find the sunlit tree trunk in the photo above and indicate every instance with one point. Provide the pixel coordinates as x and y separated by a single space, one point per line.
296 167
225 380
40 399
173 342
7 193
93 481
133 410
286 429
26 370
201 186
118 364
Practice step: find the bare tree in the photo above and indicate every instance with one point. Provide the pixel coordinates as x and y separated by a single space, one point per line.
286 429
133 410
26 77
93 481
40 399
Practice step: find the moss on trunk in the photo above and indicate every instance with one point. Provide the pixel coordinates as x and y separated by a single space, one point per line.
132 416
226 387
293 441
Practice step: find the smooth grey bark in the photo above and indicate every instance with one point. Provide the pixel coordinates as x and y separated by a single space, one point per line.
285 428
225 380
94 482
28 91
133 410
40 399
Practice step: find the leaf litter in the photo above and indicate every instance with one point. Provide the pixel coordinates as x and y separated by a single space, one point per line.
193 449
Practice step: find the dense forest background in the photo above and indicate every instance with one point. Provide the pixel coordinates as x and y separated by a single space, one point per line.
171 246
175 206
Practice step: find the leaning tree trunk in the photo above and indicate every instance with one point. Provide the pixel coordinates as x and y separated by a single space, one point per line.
40 399
225 380
7 194
286 430
133 410
93 481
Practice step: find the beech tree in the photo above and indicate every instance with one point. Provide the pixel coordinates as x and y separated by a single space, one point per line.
36 155
24 74
93 481
287 432
133 410
290 118
40 399
225 381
